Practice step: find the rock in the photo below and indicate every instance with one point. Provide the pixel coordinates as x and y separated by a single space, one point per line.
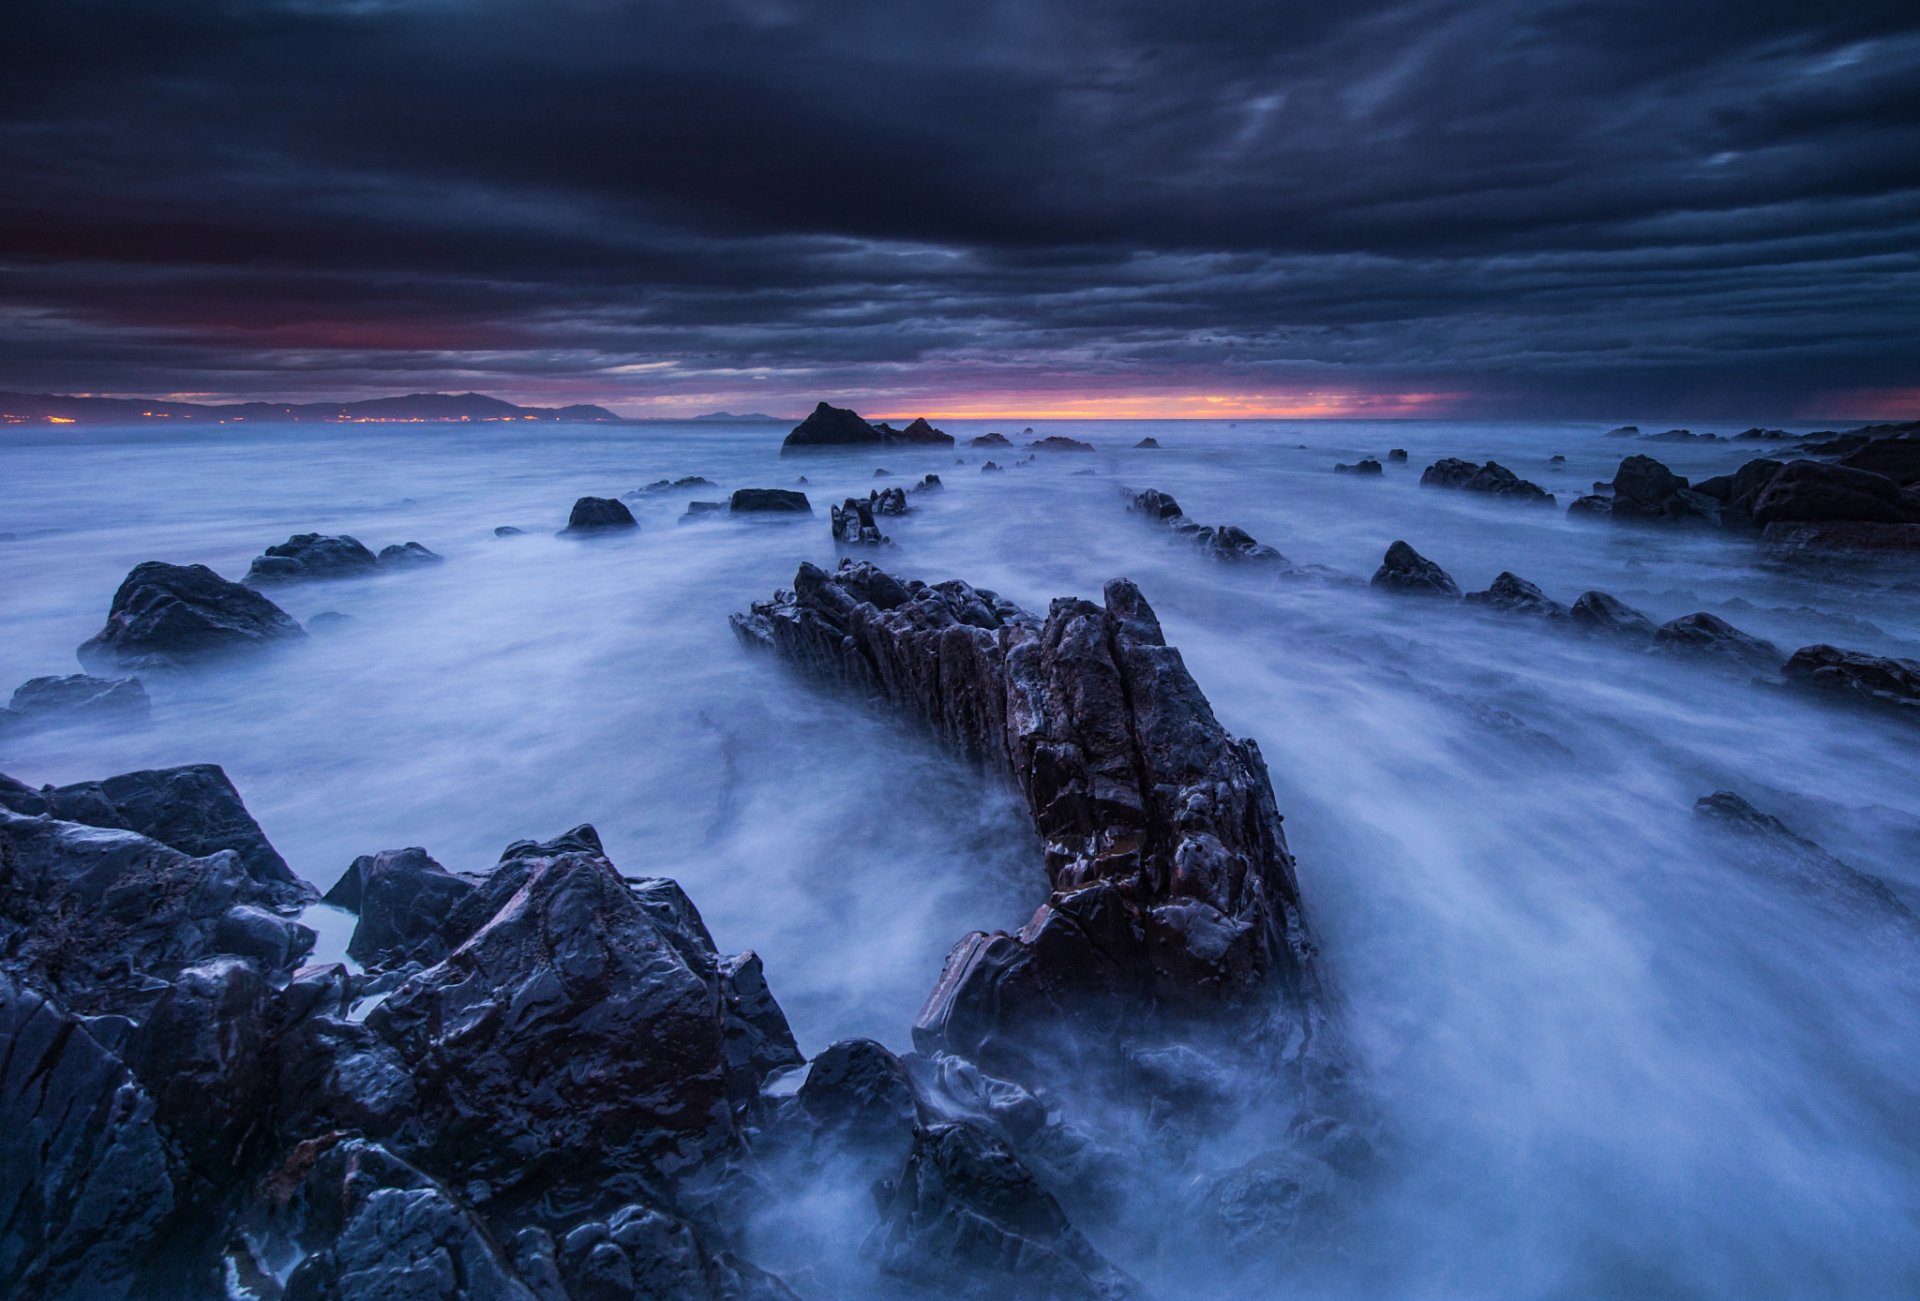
1599 612
922 433
1152 443
403 900
1842 538
1682 436
598 515
86 1191
702 510
1492 478
990 468
1737 492
1896 458
1406 570
522 1042
853 524
405 555
78 698
311 555
194 809
1397 454
883 474
1773 850
1592 505
1556 459
1366 466
1879 680
642 1252
672 485
508 531
927 484
990 440
328 621
1059 443
204 1051
1708 634
1624 431
1222 542
889 501
830 427
1174 901
860 1093
1814 492
773 500
1644 489
1515 595
1758 435
967 1219
1279 1196
179 616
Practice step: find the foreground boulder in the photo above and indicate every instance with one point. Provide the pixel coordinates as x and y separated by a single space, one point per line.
1173 895
1882 681
1492 478
77 698
403 900
168 617
1405 570
312 555
599 515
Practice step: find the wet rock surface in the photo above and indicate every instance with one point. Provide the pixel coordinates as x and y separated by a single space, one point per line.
1405 570
170 617
1491 478
1365 466
312 555
76 698
1513 594
1221 541
1059 443
1709 635
774 501
1885 682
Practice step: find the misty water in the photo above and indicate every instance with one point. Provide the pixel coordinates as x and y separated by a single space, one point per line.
1609 1057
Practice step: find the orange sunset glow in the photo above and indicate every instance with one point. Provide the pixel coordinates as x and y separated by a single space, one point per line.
1303 405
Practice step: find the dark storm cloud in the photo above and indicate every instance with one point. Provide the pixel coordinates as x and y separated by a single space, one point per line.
1537 207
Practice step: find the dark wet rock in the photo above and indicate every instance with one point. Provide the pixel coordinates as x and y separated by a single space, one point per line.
312 555
889 501
521 1043
179 616
703 510
1710 635
86 1188
967 1219
1397 454
1223 542
859 1092
1173 892
1814 492
1896 458
1152 443
853 524
1281 1195
1592 505
769 500
643 1252
671 485
1843 538
1624 431
928 484
328 621
1515 595
599 515
1059 443
1406 570
1737 492
1883 681
1366 466
1682 436
990 440
990 467
405 555
194 809
508 531
1556 459
77 698
831 427
1603 613
403 899
204 1050
921 433
1492 478
883 474
1774 850
1645 490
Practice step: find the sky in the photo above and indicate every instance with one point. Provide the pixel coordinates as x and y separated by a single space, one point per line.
993 207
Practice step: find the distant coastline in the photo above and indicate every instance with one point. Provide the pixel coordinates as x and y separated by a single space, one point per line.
37 409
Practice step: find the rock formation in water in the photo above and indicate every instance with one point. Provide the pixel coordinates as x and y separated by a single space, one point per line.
166 617
75 698
1059 443
592 515
990 440
831 426
1366 465
311 555
1492 478
1405 570
1512 594
1883 681
1600 612
772 501
1222 542
1771 849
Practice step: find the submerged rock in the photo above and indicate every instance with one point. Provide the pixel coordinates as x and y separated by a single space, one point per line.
1223 541
405 555
1515 595
1774 850
990 440
312 555
77 698
1059 443
1397 454
1148 443
1842 538
769 500
1492 478
180 616
1406 570
1365 466
599 515
1602 613
1710 635
1883 681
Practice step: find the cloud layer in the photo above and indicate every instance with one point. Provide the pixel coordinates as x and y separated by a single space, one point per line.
993 205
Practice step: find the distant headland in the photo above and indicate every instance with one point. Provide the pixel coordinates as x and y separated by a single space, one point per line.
412 408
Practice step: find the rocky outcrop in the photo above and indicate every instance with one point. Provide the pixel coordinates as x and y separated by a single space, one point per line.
1511 594
670 485
1173 895
1600 612
920 433
591 515
1397 454
1059 443
1882 681
1771 849
830 426
407 555
1709 635
853 524
769 501
1365 466
990 440
169 617
1147 444
404 901
1492 478
77 698
1897 458
1223 541
312 555
1812 492
1647 491
1406 570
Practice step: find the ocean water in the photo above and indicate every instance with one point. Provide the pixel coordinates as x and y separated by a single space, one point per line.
1610 1057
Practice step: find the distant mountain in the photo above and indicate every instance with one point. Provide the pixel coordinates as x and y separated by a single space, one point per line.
51 408
752 415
